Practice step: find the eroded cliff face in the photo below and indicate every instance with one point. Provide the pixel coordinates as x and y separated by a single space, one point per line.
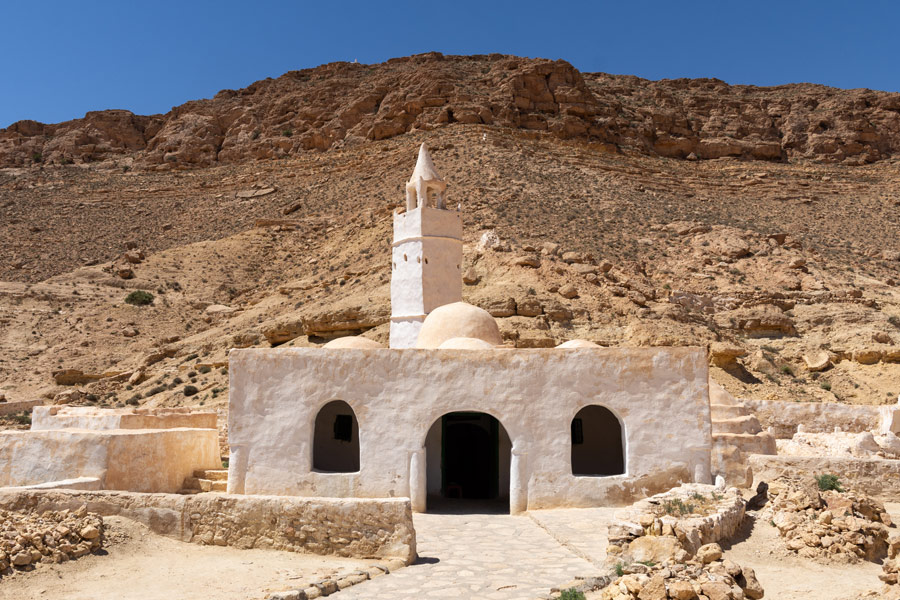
340 104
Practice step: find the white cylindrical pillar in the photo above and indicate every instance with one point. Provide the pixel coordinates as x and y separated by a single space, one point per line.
417 475
518 482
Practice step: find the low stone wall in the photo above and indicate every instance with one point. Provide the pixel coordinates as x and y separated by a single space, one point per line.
876 477
666 533
820 417
358 528
88 417
11 408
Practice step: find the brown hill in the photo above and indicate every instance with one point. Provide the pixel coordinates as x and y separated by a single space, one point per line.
765 262
341 104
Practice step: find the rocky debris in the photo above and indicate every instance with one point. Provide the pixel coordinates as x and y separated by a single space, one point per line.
527 260
471 276
28 538
818 361
568 291
714 579
491 241
134 257
827 525
724 354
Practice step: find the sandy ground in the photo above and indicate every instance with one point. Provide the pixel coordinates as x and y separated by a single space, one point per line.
786 577
141 565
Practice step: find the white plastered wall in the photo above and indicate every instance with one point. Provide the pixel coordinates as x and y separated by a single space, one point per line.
426 268
659 394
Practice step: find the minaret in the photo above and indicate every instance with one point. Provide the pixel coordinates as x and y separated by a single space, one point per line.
426 259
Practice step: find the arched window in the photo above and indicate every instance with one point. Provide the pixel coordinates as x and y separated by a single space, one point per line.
598 446
336 439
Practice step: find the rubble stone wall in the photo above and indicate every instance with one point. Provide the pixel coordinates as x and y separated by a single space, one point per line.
357 528
876 477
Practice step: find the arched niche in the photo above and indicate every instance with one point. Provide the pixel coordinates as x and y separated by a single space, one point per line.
336 439
598 442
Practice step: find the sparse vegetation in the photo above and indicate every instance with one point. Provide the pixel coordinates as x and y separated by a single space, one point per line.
139 298
828 482
571 594
825 385
190 390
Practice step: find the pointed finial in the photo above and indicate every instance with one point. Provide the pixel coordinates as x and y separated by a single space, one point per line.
424 167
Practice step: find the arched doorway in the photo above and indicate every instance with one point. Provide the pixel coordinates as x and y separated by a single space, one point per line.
467 463
336 439
598 446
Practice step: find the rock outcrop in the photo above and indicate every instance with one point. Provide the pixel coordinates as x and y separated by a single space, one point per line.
343 103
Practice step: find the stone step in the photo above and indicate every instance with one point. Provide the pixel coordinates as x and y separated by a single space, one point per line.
727 411
744 424
199 484
761 443
213 474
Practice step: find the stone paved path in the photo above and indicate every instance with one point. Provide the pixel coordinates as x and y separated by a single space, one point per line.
583 531
490 557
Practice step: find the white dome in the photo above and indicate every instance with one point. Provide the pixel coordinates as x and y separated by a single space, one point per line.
465 343
352 341
579 344
458 320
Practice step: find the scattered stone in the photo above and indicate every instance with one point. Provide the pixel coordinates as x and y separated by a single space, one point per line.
27 538
818 361
471 276
134 257
568 291
527 261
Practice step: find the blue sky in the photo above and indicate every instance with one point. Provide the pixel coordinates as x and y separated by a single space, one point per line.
61 59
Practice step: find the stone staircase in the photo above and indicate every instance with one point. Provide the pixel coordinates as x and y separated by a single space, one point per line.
736 433
205 480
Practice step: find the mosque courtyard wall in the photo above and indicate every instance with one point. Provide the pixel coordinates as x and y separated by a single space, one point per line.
659 395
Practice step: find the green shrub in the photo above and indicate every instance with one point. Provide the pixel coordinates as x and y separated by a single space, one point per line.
204 369
620 569
190 390
139 298
786 369
571 594
37 157
155 390
828 482
287 133
133 401
24 418
825 385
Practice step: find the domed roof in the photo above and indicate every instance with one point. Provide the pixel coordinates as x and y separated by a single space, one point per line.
465 343
579 344
352 341
456 320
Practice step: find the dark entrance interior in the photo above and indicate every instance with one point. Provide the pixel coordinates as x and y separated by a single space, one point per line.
468 463
597 442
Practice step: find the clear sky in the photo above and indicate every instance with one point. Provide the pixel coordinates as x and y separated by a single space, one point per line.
61 59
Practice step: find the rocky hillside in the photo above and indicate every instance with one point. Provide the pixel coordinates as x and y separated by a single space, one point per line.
787 270
343 104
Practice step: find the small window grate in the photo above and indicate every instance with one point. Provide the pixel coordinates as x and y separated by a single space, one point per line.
343 428
577 432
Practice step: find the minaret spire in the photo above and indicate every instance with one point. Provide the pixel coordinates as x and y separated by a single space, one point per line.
425 187
427 254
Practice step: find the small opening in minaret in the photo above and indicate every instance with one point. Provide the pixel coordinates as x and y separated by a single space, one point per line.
418 259
404 257
426 261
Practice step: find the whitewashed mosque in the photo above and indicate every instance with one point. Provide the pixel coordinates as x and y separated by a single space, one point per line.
447 412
